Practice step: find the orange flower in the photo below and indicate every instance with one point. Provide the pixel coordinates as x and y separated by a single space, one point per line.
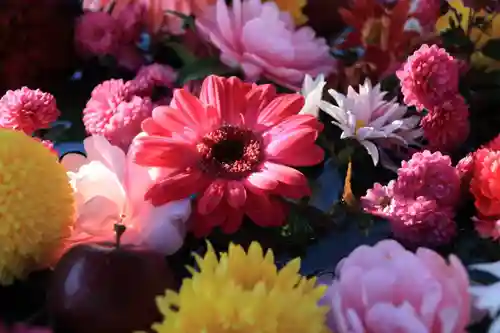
485 184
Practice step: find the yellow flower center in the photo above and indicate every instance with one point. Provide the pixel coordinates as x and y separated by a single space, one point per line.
359 124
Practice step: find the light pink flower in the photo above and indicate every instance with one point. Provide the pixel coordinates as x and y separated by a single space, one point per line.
108 188
263 41
27 110
154 75
387 289
428 76
378 199
116 112
97 34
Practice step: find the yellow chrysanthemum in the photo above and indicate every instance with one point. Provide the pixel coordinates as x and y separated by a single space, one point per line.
478 36
294 7
36 205
243 293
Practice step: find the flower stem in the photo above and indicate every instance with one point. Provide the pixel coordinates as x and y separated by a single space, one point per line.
119 228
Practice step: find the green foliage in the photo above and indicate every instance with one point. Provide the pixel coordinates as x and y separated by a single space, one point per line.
492 49
456 40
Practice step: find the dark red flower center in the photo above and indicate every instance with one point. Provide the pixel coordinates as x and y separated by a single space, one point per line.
230 152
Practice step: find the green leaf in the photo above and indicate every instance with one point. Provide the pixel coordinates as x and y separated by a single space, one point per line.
492 49
456 38
186 55
200 69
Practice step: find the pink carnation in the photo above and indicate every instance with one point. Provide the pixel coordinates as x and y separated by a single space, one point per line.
263 41
115 112
97 33
428 76
422 222
447 127
27 110
387 289
430 175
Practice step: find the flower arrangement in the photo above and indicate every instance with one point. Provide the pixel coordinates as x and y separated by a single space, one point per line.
249 166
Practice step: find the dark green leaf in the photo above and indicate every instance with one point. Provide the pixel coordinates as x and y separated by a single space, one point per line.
492 49
200 69
456 39
182 52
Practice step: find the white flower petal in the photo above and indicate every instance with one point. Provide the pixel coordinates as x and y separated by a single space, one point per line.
372 151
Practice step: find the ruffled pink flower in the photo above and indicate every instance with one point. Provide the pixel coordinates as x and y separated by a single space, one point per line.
447 126
109 188
422 222
115 112
97 34
27 110
378 199
263 41
429 175
234 147
131 21
428 76
154 75
387 289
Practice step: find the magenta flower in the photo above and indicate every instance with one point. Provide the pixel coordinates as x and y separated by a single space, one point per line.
428 76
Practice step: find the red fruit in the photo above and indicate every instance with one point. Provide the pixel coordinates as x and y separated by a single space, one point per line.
99 288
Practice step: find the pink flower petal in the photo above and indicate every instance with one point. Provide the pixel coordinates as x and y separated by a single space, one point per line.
212 197
236 194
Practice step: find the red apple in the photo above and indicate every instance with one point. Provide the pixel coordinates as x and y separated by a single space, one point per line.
105 288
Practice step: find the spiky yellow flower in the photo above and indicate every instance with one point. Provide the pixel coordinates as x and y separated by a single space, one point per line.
243 293
294 7
36 205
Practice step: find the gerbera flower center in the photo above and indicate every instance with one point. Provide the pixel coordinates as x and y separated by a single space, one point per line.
230 152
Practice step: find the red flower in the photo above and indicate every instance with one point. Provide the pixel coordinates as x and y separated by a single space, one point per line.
235 147
485 183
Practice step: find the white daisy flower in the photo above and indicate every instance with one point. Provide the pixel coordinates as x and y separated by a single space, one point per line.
487 298
312 90
373 121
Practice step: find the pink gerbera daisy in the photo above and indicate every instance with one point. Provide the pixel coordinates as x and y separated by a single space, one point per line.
234 147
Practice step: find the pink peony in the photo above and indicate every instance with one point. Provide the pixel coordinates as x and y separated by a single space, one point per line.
109 188
428 76
97 33
234 147
387 289
430 175
27 110
446 127
262 40
115 112
422 222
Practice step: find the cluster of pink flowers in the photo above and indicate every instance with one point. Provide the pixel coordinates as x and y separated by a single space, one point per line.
101 34
420 203
117 108
429 80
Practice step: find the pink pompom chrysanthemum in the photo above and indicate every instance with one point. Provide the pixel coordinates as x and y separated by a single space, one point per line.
387 289
422 222
263 41
234 147
447 126
430 175
428 76
420 203
154 75
27 110
116 112
97 33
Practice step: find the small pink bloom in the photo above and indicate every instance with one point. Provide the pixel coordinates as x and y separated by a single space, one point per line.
387 289
97 34
263 41
108 188
428 76
155 75
131 20
430 175
235 147
116 112
27 110
487 227
378 199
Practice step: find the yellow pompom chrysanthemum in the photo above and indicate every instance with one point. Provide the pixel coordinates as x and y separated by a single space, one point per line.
243 293
36 205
